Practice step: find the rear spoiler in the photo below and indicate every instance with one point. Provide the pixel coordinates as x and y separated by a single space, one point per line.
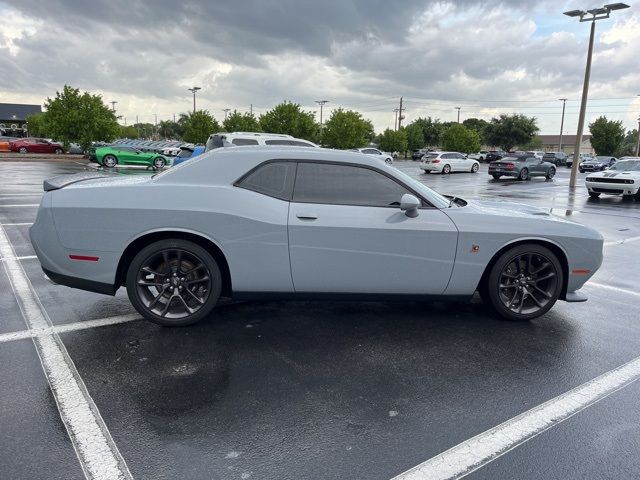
62 181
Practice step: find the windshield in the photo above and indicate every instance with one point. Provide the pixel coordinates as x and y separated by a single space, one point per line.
627 166
600 159
185 153
513 159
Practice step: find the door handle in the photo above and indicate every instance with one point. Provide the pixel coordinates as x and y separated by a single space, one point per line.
307 216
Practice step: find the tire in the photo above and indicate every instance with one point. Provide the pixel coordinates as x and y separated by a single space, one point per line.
168 270
533 273
637 195
481 159
594 194
388 161
158 163
58 151
109 161
550 173
581 170
425 171
23 150
446 169
496 177
524 174
475 168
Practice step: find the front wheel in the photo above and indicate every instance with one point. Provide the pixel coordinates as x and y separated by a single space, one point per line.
551 173
58 151
158 163
524 174
23 150
446 169
594 194
525 282
474 168
581 170
174 282
109 161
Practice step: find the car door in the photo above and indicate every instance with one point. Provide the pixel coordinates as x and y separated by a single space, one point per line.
347 234
463 163
128 155
38 146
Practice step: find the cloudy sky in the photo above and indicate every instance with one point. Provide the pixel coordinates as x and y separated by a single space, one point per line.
487 57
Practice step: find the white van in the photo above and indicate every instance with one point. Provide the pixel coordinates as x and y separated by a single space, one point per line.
219 140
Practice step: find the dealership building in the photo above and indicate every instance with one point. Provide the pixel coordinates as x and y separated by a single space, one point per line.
13 116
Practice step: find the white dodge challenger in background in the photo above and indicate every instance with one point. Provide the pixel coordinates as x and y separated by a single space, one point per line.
301 223
623 178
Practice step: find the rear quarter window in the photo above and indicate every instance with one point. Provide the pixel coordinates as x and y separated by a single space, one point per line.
274 179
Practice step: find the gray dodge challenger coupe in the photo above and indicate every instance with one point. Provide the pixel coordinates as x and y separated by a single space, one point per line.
301 223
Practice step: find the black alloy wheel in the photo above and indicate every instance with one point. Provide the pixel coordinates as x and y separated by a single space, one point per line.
174 282
524 174
525 282
551 173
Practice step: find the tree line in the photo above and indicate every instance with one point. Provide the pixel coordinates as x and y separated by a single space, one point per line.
72 116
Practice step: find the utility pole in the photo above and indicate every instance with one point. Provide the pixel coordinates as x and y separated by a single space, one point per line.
587 16
400 116
174 118
638 144
564 101
321 103
458 108
113 105
137 119
226 110
251 109
155 116
395 121
194 90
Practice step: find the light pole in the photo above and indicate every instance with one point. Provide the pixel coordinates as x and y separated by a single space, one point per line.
113 105
587 16
395 122
564 101
638 144
458 108
322 104
226 110
194 90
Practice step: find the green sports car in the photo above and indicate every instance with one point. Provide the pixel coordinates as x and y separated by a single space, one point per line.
111 156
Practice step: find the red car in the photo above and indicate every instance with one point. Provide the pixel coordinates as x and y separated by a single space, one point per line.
35 145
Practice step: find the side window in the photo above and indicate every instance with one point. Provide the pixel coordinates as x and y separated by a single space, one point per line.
245 141
446 156
345 185
274 179
299 144
277 142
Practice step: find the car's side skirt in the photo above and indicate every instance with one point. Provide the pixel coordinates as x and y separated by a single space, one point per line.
80 283
348 297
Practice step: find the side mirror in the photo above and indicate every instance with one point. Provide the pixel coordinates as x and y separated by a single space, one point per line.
409 204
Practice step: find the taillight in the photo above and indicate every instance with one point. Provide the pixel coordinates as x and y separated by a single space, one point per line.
509 166
435 161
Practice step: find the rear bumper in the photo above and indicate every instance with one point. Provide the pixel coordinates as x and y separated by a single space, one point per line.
574 297
80 283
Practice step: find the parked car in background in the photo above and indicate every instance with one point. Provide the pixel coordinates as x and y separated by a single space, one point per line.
623 178
594 164
170 151
480 156
447 162
583 158
557 158
301 222
111 156
386 157
493 155
418 154
522 167
187 153
36 145
234 139
75 149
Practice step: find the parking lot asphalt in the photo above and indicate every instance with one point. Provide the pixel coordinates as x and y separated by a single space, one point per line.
322 390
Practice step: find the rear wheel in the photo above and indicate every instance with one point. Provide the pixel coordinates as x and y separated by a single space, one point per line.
495 177
174 282
446 169
551 173
474 168
58 151
594 194
524 174
23 150
109 161
525 282
637 195
158 163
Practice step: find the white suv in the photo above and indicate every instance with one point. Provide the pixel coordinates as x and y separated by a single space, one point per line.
219 140
447 162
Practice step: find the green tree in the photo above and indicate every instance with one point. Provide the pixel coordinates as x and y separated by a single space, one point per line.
83 118
289 118
346 129
477 124
507 131
145 130
241 122
36 125
393 140
607 136
170 129
628 148
198 126
458 138
536 143
128 131
415 136
431 129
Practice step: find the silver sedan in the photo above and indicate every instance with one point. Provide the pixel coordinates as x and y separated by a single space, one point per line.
292 222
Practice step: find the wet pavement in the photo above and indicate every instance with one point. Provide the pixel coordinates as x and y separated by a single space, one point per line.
323 390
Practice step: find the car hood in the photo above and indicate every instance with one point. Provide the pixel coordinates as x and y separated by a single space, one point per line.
614 173
510 209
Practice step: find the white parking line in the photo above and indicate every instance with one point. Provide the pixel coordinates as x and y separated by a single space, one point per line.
99 457
609 287
22 224
472 454
68 327
21 194
21 205
622 242
25 257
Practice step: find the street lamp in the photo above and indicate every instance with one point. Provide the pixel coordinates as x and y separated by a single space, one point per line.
321 103
458 108
226 111
587 16
564 101
194 90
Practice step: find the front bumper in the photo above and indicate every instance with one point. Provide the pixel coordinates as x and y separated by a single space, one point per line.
613 188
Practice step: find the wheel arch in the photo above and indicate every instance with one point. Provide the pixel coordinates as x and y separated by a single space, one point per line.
142 240
544 242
